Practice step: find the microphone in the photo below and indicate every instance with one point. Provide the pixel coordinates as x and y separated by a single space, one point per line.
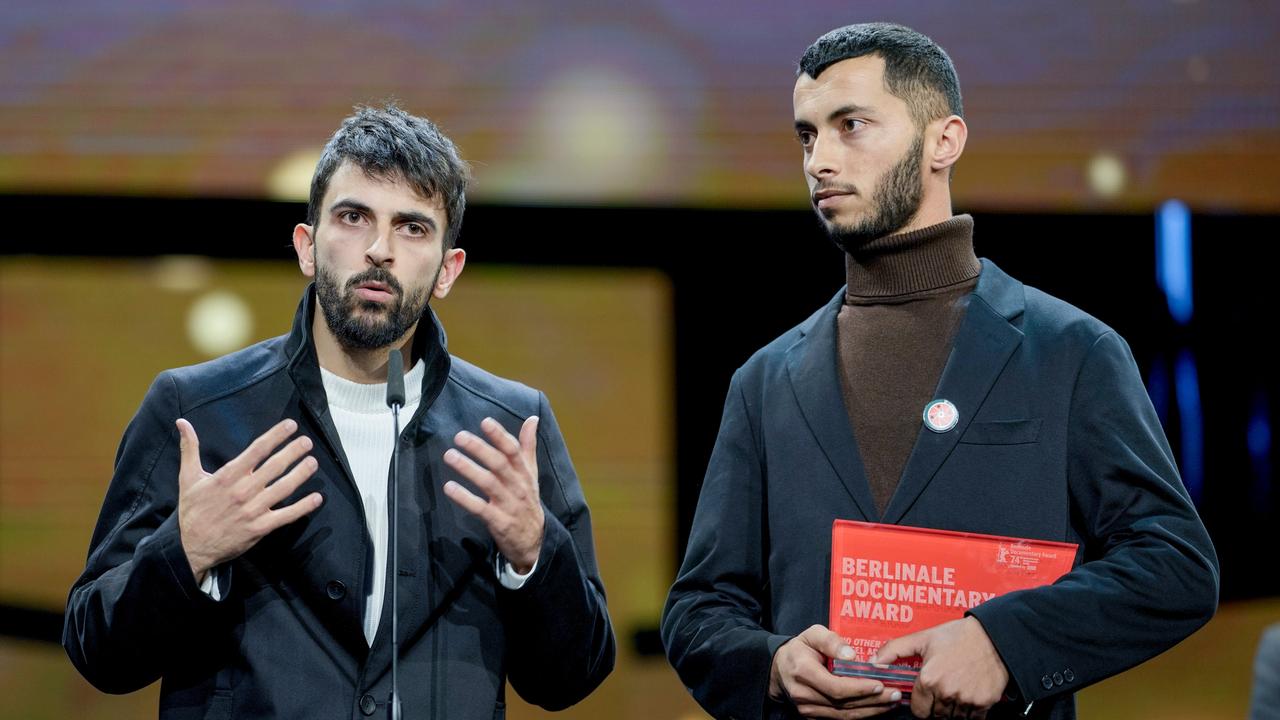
395 401
395 379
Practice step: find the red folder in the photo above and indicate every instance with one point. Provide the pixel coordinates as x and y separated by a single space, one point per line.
890 580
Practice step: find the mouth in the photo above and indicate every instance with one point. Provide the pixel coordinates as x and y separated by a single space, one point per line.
826 198
373 291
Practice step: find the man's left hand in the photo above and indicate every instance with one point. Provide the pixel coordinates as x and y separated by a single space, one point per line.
962 675
506 471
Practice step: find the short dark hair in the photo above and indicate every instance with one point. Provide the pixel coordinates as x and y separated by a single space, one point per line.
915 68
388 141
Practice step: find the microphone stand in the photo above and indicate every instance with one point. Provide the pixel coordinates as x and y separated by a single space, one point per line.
395 400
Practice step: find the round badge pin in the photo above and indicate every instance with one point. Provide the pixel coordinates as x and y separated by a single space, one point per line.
940 416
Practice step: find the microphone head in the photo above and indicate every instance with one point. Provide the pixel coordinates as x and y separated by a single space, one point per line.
395 379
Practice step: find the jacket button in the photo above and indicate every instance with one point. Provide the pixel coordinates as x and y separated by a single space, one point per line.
1057 678
368 705
1070 676
1047 682
336 591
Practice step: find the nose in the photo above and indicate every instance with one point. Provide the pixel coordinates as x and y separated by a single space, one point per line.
379 253
822 162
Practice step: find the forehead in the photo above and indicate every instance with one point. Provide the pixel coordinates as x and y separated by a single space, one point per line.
856 81
383 193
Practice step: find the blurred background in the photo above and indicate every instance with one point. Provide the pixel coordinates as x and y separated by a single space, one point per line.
638 227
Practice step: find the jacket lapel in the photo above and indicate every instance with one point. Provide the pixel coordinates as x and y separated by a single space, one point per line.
811 368
983 345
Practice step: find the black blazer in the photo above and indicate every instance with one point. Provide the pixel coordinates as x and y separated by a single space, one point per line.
286 641
1056 440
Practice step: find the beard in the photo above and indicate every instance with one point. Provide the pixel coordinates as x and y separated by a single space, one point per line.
359 324
895 201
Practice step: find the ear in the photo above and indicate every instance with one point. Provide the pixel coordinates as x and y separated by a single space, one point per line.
450 268
304 244
952 133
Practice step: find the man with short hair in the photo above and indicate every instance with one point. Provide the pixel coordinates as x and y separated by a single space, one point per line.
933 391
241 555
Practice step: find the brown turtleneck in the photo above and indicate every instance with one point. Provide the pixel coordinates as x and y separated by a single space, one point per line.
906 296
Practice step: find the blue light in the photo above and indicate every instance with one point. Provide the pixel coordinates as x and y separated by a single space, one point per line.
1158 389
1187 382
1173 258
1260 451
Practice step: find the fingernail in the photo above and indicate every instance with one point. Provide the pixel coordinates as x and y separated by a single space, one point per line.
878 689
450 454
290 425
845 652
896 696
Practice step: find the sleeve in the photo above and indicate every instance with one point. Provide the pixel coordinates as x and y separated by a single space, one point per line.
1265 695
713 626
560 642
129 608
1149 576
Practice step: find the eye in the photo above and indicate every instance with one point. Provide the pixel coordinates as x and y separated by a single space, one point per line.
806 138
851 124
416 229
351 217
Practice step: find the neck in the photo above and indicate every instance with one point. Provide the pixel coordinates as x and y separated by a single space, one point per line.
356 365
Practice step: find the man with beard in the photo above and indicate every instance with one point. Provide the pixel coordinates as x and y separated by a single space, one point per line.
933 391
241 552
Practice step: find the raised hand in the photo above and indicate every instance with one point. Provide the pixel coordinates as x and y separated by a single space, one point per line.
799 674
506 471
223 514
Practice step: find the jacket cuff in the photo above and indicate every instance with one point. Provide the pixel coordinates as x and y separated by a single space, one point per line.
554 537
181 591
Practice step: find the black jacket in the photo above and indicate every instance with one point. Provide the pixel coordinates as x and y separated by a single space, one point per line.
286 641
1056 440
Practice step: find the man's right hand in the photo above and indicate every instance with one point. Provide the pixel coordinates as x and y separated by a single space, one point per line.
223 514
800 675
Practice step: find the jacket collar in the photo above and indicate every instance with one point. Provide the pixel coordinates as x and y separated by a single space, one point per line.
429 343
985 341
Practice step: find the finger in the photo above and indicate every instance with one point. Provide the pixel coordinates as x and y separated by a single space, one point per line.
822 711
467 468
260 448
898 648
864 694
276 492
467 500
921 701
280 461
278 518
495 461
827 642
529 441
501 439
887 696
842 691
189 468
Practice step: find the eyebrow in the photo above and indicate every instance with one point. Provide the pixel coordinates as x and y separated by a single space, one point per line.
404 216
834 115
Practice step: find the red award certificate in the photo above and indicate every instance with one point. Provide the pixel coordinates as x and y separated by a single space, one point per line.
889 580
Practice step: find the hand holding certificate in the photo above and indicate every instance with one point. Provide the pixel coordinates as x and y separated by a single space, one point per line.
899 596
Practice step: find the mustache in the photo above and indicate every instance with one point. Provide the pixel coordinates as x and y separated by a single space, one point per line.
378 275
